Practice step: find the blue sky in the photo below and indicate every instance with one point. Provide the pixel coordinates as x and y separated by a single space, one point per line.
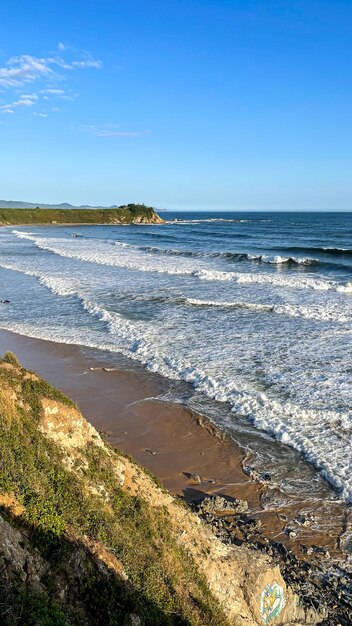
180 104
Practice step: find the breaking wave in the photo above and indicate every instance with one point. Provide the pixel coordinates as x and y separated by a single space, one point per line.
212 220
70 249
333 251
228 256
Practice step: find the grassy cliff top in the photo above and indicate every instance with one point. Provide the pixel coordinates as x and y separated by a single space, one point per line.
126 214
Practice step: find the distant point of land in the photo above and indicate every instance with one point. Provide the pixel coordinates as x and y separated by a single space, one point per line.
125 214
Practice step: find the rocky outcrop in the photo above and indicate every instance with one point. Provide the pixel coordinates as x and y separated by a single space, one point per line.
154 219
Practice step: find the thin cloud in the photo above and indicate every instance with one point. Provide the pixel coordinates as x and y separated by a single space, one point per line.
23 101
29 96
59 93
55 92
112 132
122 133
87 63
70 97
23 69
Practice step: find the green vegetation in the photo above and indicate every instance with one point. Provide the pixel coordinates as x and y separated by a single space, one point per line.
126 214
21 608
60 514
9 357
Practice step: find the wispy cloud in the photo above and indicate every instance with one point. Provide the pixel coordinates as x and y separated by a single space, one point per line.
47 71
88 61
112 131
30 96
23 69
122 133
59 93
26 100
55 92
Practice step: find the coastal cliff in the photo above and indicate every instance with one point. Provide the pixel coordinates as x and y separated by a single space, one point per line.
89 537
126 214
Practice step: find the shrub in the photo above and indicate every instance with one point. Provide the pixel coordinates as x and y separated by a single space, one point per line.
9 357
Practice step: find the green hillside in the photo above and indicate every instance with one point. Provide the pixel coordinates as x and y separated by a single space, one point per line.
127 214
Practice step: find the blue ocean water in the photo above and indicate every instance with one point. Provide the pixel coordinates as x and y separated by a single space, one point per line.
253 310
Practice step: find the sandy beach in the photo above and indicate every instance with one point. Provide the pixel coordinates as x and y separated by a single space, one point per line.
187 453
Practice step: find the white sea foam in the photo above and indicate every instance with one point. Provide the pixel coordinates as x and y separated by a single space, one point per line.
82 251
345 288
212 220
319 313
326 313
284 280
213 275
228 256
138 261
231 305
57 285
240 256
280 260
322 313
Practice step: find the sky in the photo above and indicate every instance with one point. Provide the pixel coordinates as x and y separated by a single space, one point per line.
185 104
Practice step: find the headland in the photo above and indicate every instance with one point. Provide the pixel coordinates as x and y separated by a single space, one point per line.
125 214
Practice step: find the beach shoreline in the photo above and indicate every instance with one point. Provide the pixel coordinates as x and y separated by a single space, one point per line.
190 456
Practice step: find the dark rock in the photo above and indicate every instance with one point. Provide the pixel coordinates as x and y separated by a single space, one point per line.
260 477
304 520
317 587
290 533
321 550
251 523
191 476
306 549
221 504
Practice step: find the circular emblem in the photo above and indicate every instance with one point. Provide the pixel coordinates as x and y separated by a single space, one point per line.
272 601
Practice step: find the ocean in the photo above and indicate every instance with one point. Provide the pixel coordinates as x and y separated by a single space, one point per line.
250 314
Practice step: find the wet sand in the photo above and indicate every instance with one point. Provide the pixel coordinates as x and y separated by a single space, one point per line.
181 448
126 405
